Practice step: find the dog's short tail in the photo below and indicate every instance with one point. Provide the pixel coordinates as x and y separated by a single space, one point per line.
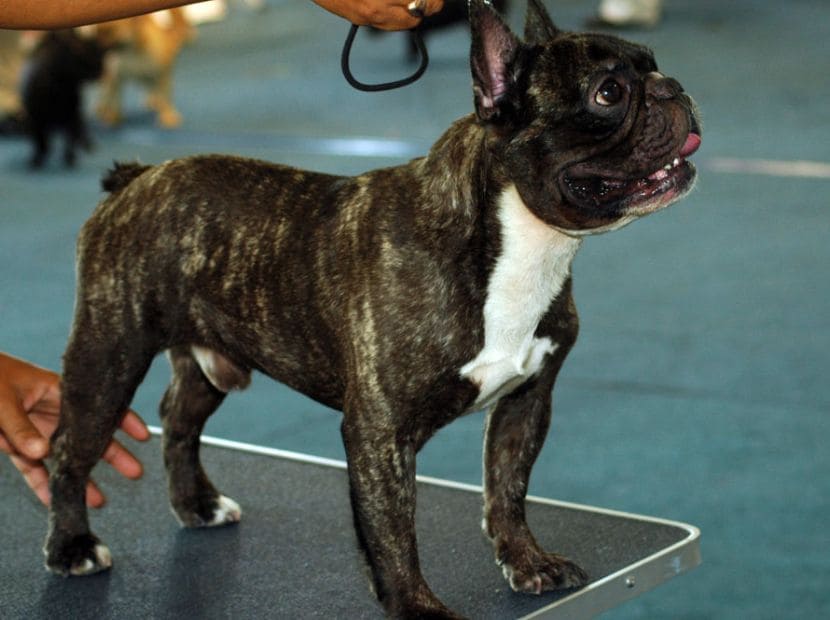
120 175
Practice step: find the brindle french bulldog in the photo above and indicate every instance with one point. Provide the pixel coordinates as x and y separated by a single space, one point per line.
406 297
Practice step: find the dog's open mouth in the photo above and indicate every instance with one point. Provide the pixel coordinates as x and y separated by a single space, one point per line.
601 191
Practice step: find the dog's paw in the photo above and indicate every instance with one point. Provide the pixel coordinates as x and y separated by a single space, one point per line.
81 555
220 510
539 572
228 511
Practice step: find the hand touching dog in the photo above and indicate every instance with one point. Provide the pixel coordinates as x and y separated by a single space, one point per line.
29 410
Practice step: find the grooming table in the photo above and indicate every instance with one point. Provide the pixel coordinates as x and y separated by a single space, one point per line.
294 554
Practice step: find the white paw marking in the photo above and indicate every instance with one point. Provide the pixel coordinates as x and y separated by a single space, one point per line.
227 512
531 585
103 561
533 266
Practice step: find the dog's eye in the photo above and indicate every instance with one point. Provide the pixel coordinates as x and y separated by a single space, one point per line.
610 93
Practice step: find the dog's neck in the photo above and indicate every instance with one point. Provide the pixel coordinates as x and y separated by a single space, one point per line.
529 262
462 151
531 270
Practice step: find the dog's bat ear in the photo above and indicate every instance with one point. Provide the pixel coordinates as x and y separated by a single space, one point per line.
539 27
493 56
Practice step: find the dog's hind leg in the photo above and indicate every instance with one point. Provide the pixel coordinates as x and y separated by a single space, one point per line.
98 383
200 381
516 430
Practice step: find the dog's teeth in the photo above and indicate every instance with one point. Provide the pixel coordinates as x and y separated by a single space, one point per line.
667 167
676 161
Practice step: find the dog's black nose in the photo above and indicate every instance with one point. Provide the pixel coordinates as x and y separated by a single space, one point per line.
661 87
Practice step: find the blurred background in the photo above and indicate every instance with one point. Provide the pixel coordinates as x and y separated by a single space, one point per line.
698 390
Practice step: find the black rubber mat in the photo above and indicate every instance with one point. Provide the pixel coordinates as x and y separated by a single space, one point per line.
294 553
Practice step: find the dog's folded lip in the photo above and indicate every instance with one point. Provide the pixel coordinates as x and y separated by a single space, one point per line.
587 170
691 145
587 185
609 192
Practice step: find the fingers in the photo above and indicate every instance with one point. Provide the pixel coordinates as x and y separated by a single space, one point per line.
35 475
134 426
123 461
433 7
94 497
17 429
40 390
120 459
24 387
37 478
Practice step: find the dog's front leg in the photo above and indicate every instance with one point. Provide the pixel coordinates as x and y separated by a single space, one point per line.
516 430
382 485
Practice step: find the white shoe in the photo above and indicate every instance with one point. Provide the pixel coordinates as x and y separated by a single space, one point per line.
630 12
206 12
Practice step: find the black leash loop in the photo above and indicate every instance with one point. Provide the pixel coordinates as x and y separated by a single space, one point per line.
373 88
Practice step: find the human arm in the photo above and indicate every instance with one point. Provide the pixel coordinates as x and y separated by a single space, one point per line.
49 14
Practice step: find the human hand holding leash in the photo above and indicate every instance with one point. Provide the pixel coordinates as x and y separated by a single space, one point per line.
383 14
29 408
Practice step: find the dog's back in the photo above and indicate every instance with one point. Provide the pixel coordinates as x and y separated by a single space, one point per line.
247 257
209 226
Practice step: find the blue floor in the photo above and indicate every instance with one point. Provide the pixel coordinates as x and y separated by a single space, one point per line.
698 390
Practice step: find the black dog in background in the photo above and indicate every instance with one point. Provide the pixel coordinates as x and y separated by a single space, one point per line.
51 92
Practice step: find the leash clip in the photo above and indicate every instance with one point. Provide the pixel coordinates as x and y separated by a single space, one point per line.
373 88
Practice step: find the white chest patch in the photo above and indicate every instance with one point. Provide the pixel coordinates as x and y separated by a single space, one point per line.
534 263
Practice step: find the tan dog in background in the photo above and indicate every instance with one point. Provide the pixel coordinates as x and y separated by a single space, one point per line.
145 49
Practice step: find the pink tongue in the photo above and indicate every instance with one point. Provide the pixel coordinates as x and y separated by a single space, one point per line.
692 144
